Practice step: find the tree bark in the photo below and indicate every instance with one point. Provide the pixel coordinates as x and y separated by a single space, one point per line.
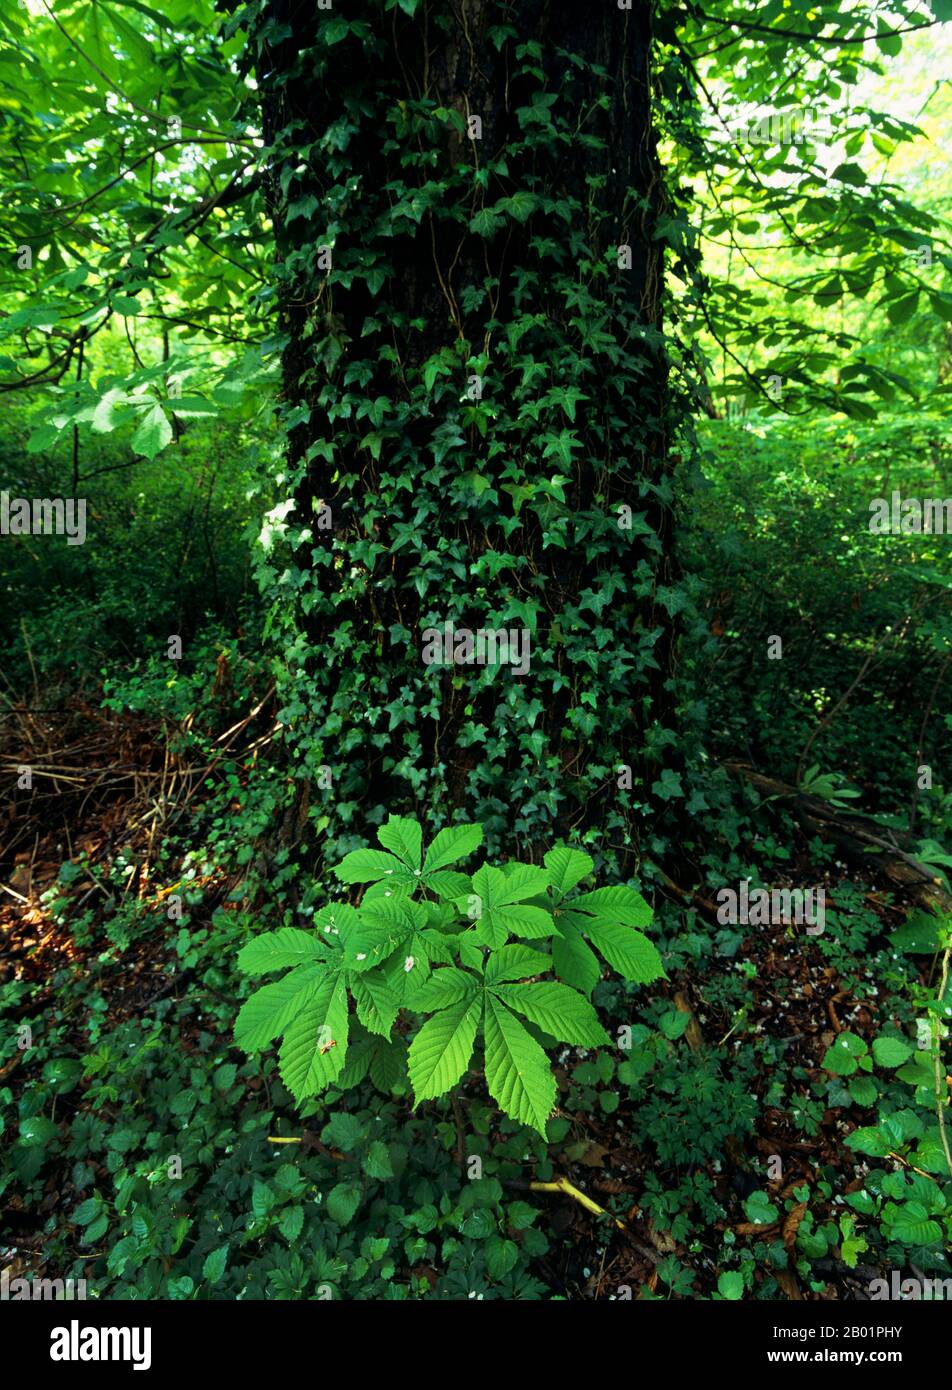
444 507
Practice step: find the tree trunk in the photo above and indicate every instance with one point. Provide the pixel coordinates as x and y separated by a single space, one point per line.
475 390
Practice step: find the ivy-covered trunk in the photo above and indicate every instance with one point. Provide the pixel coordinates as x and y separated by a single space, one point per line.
466 199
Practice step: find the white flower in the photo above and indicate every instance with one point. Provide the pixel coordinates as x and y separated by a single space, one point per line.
408 964
361 955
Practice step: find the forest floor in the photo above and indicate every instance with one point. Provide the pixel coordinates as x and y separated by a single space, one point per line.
106 796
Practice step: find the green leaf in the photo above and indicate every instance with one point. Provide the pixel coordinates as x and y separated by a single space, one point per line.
452 843
343 1131
515 962
377 1005
291 1222
849 173
502 910
214 1264
915 1228
444 988
730 1285
629 952
501 1256
447 884
517 1070
262 1199
376 1161
405 839
369 865
557 1010
111 411
574 962
271 1009
567 867
315 1044
841 1056
863 1089
153 434
496 923
38 1130
440 1052
486 223
276 950
619 905
388 1066
891 1052
869 1140
342 1202
521 205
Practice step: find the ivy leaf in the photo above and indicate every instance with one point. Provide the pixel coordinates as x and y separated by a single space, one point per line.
486 223
521 205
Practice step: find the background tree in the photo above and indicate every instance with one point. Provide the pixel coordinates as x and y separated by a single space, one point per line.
467 204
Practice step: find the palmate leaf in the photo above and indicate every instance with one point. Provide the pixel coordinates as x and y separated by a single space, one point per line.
377 1004
368 865
557 1010
315 1044
445 988
574 961
516 962
276 950
440 1052
495 924
629 952
567 867
404 838
619 905
447 884
608 918
503 910
517 1070
452 843
273 1007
